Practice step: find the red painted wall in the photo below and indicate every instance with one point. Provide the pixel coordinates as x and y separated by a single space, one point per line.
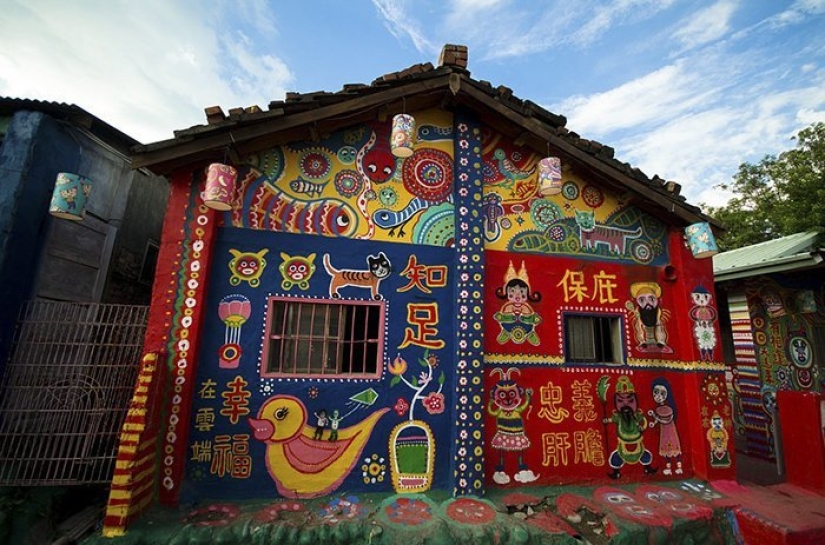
557 434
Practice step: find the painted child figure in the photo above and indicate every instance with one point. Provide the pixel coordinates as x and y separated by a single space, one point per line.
516 317
320 424
507 402
630 424
670 447
334 421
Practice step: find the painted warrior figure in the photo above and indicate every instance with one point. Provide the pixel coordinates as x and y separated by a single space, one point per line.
630 423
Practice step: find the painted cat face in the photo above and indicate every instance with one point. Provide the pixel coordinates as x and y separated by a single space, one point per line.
296 270
379 265
247 266
585 219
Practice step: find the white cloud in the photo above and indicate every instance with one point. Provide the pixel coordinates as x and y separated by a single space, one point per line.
402 24
706 25
600 18
144 68
664 93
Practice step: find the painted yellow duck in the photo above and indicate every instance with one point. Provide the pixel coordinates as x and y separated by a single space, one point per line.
301 465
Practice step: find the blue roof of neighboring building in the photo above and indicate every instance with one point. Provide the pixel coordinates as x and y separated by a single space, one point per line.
793 252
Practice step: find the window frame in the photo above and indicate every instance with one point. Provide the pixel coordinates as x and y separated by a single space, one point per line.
302 303
616 325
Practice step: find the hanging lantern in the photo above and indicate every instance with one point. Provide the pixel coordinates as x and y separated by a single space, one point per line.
402 138
71 191
700 240
550 176
220 185
234 311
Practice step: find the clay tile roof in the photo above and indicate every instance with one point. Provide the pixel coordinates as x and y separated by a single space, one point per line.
305 115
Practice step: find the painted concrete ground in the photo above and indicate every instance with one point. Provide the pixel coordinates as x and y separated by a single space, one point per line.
683 512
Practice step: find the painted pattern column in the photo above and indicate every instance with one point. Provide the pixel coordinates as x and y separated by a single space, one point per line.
468 460
179 284
187 294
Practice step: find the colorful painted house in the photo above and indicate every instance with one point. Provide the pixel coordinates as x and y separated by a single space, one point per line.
773 328
422 283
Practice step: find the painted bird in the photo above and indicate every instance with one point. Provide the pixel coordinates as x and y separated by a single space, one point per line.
509 170
301 466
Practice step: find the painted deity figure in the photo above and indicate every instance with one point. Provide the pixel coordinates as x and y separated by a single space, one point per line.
703 316
508 401
718 438
517 318
648 317
664 415
630 423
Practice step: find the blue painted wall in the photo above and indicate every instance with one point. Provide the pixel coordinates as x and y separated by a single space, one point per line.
207 476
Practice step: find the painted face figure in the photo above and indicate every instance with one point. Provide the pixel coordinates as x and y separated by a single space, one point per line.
659 394
508 397
647 301
700 299
516 293
626 402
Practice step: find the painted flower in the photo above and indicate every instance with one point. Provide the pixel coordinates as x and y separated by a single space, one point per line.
434 403
462 127
423 379
432 361
401 406
312 392
340 509
463 161
373 469
398 366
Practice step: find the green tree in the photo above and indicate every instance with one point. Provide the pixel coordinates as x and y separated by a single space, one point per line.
777 197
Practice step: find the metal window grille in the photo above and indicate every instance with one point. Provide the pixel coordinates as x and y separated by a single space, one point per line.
66 390
323 338
592 339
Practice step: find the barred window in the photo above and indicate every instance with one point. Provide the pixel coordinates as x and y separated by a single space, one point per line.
592 339
323 338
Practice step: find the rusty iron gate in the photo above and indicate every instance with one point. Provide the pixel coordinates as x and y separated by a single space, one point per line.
66 390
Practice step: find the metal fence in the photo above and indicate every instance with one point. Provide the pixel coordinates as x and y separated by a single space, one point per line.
66 390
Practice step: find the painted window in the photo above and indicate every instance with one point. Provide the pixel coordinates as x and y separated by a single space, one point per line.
592 339
323 338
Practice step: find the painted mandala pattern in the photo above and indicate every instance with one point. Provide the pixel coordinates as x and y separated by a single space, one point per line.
315 164
570 191
428 174
348 183
592 196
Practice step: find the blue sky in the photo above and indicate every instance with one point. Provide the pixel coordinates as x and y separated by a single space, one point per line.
686 89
